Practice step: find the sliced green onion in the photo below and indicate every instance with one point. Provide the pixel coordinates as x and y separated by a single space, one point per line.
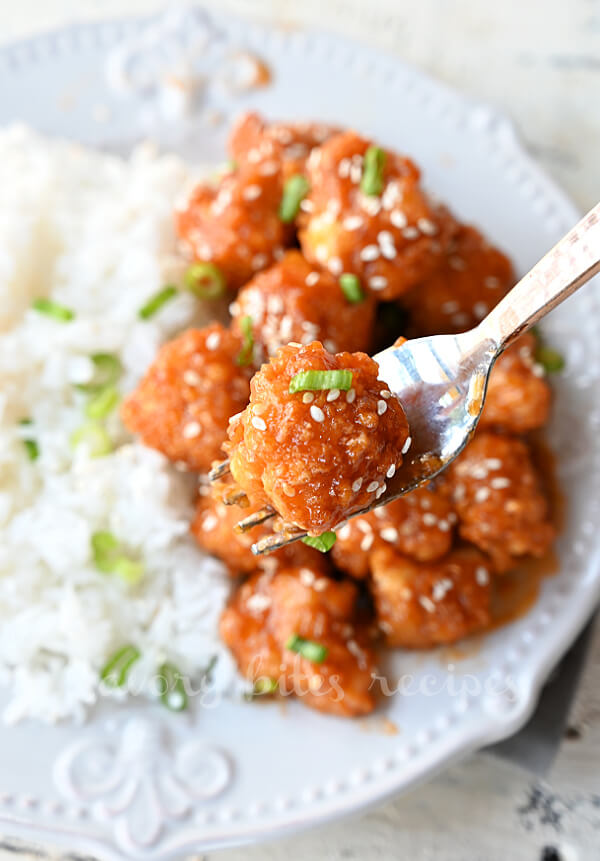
109 558
310 650
155 303
103 403
53 309
174 696
246 354
205 280
315 381
551 360
115 671
94 437
323 542
32 449
372 178
107 370
294 191
25 422
352 288
263 686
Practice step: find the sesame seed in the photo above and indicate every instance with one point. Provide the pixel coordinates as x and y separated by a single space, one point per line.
427 226
317 413
427 603
344 168
482 576
460 319
430 519
389 534
443 526
235 418
307 577
363 525
482 494
321 252
191 430
307 205
410 232
450 307
459 492
335 265
350 396
209 522
371 205
259 261
385 393
367 542
330 345
372 486
369 252
353 222
384 237
355 173
378 282
345 531
321 584
491 282
538 370
356 485
500 483
258 423
457 263
251 192
311 279
213 341
268 168
381 407
333 395
391 471
381 490
479 472
440 588
308 398
480 309
398 218
388 251
192 378
493 463
406 445
258 602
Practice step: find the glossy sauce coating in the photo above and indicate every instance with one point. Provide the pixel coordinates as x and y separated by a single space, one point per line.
294 301
267 610
316 456
392 240
424 604
183 404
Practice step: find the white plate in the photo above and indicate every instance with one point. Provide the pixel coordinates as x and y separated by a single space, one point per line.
138 783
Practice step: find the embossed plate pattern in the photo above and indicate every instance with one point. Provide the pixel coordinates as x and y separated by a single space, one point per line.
138 783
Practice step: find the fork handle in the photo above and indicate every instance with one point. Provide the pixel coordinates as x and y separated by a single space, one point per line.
562 271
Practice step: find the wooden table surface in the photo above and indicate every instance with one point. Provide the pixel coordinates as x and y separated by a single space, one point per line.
539 60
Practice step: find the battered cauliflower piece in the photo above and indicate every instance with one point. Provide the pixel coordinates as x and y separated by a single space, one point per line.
298 632
424 604
293 301
518 396
183 404
500 502
236 225
419 524
317 456
213 529
289 144
471 280
390 235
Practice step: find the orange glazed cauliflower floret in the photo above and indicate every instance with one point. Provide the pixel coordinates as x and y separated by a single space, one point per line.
317 455
183 404
389 235
293 301
424 604
499 500
297 632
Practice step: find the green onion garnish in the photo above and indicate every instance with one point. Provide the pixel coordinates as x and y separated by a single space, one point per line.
246 354
115 671
310 650
109 558
294 191
372 178
174 696
551 360
156 302
307 381
103 403
205 280
263 686
107 370
53 309
323 542
352 288
94 437
32 449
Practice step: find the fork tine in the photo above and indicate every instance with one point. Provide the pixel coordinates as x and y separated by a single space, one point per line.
255 519
219 470
236 497
276 541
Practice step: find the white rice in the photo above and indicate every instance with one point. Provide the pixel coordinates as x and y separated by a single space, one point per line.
94 233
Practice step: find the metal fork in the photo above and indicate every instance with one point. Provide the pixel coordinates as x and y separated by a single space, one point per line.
441 381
